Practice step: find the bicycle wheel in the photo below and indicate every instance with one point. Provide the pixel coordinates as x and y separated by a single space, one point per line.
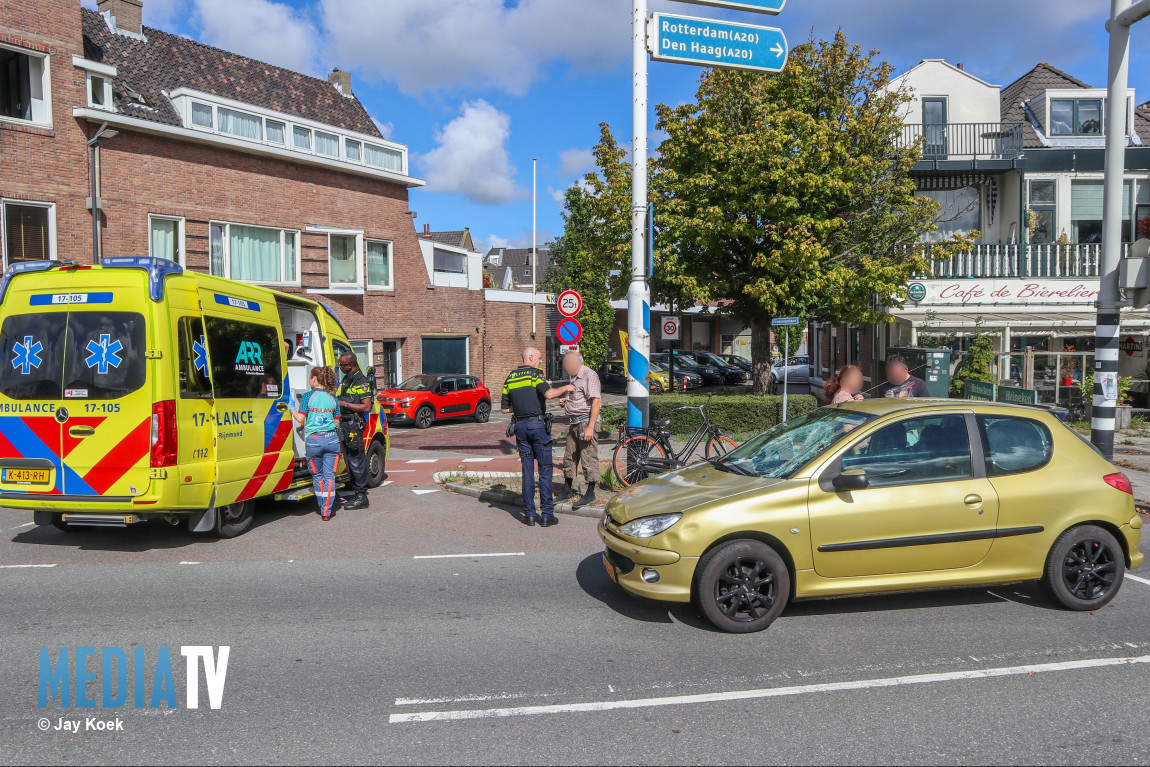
719 446
630 454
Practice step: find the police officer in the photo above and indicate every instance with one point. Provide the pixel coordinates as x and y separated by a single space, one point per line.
525 395
354 397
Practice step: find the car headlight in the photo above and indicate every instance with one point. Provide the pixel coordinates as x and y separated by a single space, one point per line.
647 527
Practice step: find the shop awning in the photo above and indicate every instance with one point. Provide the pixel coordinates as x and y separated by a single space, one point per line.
1035 322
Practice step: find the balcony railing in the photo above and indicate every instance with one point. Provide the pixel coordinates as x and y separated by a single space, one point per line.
1079 260
965 141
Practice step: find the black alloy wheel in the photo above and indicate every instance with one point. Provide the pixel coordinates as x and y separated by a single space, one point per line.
742 586
483 412
376 463
424 417
1085 568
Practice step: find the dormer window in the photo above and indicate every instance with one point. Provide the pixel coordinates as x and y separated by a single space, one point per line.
301 138
99 92
1076 117
202 115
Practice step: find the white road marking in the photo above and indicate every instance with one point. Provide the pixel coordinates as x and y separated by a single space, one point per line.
401 471
17 527
422 460
191 563
467 556
464 699
478 460
13 567
425 492
775 692
387 482
1138 578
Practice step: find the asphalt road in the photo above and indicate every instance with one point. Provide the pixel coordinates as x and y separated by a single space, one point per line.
346 647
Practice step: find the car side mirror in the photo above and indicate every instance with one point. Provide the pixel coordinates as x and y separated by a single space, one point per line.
851 479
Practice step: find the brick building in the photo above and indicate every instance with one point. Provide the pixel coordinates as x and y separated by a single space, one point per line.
227 165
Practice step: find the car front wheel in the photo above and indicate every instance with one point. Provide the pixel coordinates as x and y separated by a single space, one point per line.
742 586
1085 568
424 417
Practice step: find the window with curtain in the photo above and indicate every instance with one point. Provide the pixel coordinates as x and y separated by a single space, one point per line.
216 244
1086 211
381 157
27 233
275 131
959 211
302 138
378 264
326 144
164 236
254 253
342 259
202 115
352 149
240 124
451 263
1044 206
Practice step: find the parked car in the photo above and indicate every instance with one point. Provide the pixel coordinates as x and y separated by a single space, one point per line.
423 399
684 381
797 372
882 495
736 360
710 374
613 378
733 375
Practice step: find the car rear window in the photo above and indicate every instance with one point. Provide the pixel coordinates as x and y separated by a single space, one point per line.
1014 445
74 355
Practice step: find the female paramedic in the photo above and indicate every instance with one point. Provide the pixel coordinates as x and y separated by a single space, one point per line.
318 413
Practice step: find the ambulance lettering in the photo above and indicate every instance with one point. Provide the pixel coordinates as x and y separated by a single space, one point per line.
235 417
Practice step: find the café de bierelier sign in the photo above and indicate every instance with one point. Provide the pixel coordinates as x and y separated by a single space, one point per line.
989 292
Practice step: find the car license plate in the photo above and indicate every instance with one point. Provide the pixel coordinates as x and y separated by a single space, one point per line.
610 569
387 408
25 476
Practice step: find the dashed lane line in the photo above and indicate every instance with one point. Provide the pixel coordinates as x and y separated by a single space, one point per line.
16 567
1138 578
423 460
468 556
774 692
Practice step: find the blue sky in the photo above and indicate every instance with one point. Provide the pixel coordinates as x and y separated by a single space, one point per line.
477 88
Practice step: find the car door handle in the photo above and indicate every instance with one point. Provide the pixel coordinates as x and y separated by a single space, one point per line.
282 407
973 500
81 431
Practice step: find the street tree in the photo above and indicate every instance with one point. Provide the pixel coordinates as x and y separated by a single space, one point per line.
791 195
576 264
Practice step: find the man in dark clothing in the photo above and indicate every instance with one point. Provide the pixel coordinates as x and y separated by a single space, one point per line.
354 397
899 382
525 395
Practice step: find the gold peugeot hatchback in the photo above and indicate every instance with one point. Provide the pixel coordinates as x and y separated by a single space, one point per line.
879 496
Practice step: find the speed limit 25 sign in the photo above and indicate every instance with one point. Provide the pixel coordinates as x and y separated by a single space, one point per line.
569 303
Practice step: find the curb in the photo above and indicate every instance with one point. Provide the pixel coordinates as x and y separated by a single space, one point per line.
511 499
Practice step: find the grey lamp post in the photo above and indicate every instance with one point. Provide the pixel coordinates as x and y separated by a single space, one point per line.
103 134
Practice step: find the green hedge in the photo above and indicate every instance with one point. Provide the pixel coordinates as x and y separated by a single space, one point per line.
731 413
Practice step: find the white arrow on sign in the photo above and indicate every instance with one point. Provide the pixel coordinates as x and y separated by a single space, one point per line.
778 50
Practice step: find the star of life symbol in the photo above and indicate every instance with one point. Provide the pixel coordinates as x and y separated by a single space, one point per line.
26 356
200 355
103 354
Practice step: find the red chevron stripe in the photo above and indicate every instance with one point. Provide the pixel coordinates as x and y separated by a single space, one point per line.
285 481
267 463
71 442
120 459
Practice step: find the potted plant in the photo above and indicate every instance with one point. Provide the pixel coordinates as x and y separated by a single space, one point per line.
1068 368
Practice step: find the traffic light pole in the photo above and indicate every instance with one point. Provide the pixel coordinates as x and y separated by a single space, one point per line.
638 293
1123 14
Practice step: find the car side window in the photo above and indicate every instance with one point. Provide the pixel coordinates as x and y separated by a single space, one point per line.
447 385
1014 445
466 384
912 451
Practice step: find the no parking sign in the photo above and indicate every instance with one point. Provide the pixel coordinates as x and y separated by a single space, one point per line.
569 331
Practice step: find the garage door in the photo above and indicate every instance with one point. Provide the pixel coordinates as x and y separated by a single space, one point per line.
445 355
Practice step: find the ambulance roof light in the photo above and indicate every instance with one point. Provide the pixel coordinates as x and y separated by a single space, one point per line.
22 268
157 268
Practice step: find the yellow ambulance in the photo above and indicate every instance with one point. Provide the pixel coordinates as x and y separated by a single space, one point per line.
135 390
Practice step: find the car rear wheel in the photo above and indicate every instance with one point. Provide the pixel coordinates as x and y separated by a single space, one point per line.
235 518
742 586
1085 568
656 387
424 417
376 464
483 412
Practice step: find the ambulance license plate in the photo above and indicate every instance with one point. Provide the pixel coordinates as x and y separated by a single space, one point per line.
24 476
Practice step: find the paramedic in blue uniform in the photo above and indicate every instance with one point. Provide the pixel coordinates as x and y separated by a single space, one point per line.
525 395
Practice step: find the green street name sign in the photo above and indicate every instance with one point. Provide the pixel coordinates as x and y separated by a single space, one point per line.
980 390
711 43
772 7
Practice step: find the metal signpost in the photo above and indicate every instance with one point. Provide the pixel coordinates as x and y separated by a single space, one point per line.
684 40
786 323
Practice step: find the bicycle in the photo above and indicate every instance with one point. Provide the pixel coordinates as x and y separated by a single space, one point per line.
640 453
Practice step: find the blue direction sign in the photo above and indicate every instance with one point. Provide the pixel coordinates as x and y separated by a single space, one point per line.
760 6
779 322
711 43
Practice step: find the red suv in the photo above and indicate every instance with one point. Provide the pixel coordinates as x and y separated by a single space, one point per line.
425 398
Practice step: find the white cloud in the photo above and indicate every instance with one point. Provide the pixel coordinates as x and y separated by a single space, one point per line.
428 45
385 129
495 241
471 157
558 195
264 30
575 162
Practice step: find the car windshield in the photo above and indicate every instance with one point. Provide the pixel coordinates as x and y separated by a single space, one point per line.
418 383
780 452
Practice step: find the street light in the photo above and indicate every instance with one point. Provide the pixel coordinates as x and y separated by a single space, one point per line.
103 134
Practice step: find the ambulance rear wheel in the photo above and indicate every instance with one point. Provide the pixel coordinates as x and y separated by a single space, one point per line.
59 523
235 518
376 464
